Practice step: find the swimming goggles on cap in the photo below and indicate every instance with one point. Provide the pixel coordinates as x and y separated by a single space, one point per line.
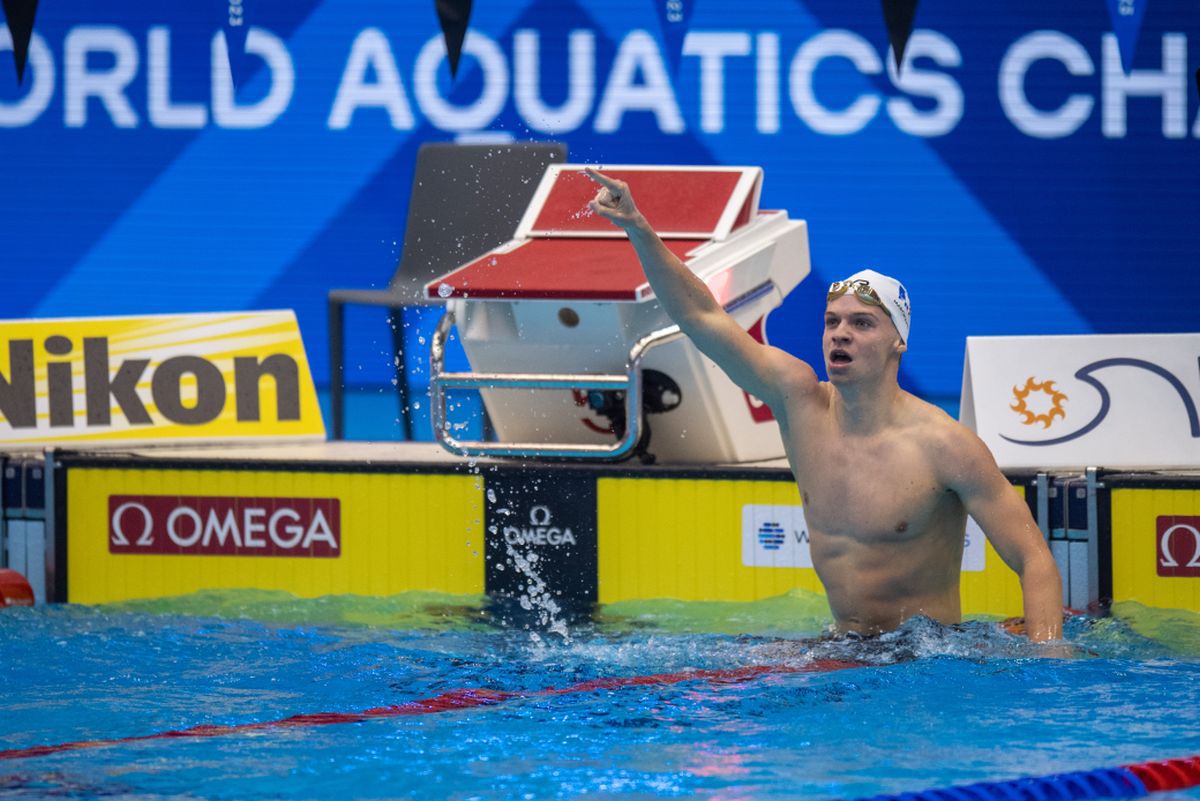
861 288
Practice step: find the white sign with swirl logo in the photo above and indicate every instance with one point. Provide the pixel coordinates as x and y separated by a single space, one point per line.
1126 401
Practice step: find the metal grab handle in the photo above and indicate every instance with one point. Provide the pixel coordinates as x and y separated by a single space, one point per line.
630 382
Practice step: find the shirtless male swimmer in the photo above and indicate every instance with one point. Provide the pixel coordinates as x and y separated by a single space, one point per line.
887 479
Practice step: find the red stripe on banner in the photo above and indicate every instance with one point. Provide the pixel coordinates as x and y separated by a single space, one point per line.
451 701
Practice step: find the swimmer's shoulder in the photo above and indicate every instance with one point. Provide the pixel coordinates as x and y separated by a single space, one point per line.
932 427
950 445
923 417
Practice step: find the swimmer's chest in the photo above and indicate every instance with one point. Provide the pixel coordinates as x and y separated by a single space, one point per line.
877 489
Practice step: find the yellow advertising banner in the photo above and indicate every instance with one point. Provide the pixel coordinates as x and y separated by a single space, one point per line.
149 531
710 540
1156 545
163 378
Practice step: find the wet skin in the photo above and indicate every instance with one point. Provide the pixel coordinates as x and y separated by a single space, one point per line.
887 480
886 530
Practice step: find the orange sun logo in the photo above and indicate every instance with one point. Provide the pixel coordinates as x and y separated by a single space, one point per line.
1047 389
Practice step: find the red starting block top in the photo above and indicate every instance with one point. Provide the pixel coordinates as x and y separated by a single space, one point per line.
557 269
564 251
696 202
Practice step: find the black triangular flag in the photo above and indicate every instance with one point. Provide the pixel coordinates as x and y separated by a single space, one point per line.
674 16
236 24
20 14
898 16
454 16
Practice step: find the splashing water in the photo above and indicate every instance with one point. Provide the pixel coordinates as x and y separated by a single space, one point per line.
537 597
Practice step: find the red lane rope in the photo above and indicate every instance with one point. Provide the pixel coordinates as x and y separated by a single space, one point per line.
1127 781
453 700
1170 774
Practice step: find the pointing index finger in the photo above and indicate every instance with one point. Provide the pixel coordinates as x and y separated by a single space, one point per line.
600 178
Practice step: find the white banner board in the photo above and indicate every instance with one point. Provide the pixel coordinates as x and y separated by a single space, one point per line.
1124 401
777 536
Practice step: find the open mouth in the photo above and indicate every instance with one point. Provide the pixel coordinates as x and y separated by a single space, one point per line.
839 357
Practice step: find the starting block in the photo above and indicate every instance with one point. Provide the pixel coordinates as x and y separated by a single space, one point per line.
570 349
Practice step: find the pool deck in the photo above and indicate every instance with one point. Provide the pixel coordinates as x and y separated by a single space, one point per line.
385 454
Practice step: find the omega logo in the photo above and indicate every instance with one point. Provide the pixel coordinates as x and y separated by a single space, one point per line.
1169 558
224 525
539 516
1164 545
540 531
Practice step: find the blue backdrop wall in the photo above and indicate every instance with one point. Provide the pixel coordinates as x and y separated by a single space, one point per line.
1013 174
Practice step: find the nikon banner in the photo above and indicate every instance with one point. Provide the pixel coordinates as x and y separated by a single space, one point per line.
220 376
1086 401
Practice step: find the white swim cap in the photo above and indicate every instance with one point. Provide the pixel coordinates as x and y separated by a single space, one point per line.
892 295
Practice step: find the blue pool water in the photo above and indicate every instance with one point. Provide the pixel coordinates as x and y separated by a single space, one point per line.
978 705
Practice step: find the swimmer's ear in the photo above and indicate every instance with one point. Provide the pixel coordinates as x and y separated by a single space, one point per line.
901 346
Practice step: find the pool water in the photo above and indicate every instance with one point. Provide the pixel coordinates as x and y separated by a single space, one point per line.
978 705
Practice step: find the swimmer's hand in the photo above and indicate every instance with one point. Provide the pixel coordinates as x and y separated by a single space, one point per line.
1052 649
1058 649
613 202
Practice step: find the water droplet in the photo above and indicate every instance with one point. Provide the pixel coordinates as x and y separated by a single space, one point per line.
445 290
491 495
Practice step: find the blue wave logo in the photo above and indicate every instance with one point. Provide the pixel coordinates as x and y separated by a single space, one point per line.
1084 374
771 536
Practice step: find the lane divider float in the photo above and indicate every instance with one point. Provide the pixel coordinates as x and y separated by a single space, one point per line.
1127 781
451 701
14 589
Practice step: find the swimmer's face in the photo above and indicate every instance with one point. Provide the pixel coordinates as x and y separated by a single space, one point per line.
859 339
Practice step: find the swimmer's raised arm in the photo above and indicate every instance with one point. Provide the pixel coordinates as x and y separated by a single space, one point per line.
770 374
988 496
